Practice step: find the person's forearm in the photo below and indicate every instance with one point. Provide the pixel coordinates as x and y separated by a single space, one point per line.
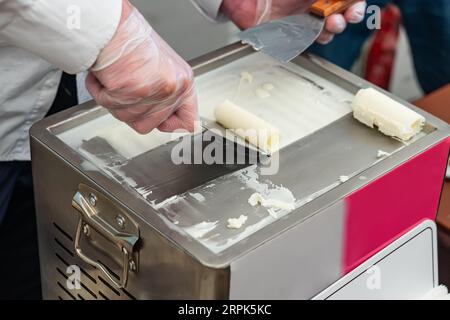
67 33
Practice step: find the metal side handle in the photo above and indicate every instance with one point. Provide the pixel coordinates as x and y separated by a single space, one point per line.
92 216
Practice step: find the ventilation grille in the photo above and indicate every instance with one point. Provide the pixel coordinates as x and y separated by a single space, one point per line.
93 286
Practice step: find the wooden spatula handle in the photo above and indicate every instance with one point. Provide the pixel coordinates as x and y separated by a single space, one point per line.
325 8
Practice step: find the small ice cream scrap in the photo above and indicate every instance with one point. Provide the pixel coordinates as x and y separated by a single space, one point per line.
247 77
382 154
262 93
272 205
237 223
268 86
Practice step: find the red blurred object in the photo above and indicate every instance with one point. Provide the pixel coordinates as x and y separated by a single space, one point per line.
381 57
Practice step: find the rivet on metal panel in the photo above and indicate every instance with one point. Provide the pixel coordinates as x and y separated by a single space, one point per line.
86 230
132 265
120 221
93 199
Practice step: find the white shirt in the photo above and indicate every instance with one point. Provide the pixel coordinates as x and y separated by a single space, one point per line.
38 39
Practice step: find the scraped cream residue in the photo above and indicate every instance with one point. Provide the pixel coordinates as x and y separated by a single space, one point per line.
382 154
201 229
276 199
268 86
121 137
144 191
198 196
263 91
213 235
246 77
166 202
237 223
270 204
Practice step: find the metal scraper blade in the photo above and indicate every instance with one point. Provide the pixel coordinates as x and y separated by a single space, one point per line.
286 38
216 128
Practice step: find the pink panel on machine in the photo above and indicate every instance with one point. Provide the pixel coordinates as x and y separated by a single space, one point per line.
386 209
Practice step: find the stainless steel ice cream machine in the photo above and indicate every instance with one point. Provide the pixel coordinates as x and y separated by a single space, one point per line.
343 203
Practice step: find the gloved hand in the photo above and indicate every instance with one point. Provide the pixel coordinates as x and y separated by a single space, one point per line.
249 13
142 80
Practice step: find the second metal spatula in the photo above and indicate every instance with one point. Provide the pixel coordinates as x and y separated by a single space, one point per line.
286 38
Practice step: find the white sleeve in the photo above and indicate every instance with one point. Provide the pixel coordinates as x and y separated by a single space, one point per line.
67 33
209 8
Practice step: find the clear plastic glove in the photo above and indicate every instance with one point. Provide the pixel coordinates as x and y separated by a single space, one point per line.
248 13
142 81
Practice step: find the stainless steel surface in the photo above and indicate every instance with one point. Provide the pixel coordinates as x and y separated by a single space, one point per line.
355 139
225 186
302 261
170 263
406 270
286 38
165 271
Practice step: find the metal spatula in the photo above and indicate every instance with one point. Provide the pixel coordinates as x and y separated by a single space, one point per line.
286 38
